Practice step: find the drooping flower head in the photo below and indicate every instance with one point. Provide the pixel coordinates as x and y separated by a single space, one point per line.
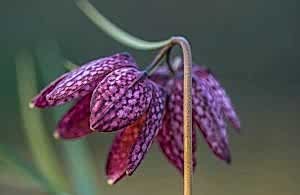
211 107
112 94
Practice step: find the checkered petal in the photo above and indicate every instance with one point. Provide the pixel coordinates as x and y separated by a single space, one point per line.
219 93
149 131
117 161
83 80
170 137
119 100
40 100
208 117
75 123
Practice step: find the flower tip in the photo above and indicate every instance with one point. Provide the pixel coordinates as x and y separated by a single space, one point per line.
93 124
56 135
228 160
92 128
110 182
238 127
31 105
239 131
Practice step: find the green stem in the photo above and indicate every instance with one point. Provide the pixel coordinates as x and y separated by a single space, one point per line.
115 32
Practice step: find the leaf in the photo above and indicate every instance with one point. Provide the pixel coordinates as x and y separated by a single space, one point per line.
44 156
9 157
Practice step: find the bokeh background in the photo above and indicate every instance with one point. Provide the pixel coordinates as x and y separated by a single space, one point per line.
252 46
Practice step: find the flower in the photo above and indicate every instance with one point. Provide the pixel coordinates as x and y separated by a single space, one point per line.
211 105
113 95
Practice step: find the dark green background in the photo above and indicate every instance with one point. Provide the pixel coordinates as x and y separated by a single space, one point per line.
253 47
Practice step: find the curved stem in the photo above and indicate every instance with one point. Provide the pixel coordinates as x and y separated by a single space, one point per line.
115 32
155 62
187 112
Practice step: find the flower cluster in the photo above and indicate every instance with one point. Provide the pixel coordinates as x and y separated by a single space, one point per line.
113 95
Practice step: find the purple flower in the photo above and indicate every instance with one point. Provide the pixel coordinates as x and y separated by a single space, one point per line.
113 95
211 106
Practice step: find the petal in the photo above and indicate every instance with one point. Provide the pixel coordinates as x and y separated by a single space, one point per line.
40 100
220 94
149 131
208 116
75 123
84 79
170 137
119 100
118 155
170 140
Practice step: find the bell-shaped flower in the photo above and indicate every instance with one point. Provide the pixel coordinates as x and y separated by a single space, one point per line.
111 95
211 107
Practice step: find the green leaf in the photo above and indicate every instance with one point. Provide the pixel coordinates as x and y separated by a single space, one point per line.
9 157
38 139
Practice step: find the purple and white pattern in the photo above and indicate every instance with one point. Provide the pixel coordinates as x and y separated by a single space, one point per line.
170 137
113 95
118 157
219 94
150 129
83 80
119 99
208 117
211 106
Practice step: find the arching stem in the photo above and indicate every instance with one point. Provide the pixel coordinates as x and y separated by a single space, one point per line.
187 112
115 32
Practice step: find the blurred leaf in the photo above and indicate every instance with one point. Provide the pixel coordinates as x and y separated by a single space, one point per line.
38 140
76 153
9 157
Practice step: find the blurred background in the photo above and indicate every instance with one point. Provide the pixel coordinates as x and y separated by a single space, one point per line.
252 46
